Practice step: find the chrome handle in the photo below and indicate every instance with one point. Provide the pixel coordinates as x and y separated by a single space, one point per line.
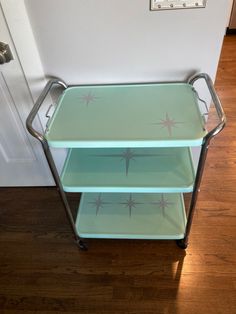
36 107
5 53
215 99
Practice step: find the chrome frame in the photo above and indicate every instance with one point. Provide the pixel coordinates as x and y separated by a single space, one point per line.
48 154
183 243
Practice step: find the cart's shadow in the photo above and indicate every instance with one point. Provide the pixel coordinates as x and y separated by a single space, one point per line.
143 271
147 271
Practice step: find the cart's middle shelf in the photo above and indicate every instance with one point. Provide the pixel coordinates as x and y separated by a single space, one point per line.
149 170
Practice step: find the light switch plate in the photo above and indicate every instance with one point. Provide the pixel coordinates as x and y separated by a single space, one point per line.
157 5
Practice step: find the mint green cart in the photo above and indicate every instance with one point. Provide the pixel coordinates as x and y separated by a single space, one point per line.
129 154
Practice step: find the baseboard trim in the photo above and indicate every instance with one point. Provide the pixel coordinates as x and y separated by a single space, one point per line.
230 31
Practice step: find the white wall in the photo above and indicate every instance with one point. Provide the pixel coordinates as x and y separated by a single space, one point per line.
97 41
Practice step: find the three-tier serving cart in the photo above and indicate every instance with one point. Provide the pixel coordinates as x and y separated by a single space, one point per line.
130 155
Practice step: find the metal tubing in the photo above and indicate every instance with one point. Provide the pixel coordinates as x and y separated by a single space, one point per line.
36 107
204 150
48 154
215 100
57 180
192 207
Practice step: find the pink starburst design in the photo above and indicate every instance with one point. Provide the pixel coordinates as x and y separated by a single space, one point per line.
98 203
130 203
129 155
88 98
162 204
168 123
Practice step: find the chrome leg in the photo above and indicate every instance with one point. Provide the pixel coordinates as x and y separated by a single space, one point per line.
62 194
183 243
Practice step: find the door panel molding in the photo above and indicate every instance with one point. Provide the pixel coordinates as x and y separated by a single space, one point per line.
22 160
20 148
28 55
27 50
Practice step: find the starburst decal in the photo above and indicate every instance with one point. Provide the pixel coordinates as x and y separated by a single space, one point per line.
130 203
128 155
88 98
98 203
168 123
162 204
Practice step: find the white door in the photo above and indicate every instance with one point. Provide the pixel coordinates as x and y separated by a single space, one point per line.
22 161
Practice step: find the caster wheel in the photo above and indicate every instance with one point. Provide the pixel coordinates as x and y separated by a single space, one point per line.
81 245
182 244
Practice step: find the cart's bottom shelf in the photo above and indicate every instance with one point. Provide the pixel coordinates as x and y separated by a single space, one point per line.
131 216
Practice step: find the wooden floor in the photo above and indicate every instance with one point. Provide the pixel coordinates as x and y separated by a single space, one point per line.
42 271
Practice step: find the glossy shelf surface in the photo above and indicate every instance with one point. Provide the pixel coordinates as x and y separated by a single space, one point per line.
128 170
131 216
137 115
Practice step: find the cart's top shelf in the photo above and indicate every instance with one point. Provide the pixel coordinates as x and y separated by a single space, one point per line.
137 115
